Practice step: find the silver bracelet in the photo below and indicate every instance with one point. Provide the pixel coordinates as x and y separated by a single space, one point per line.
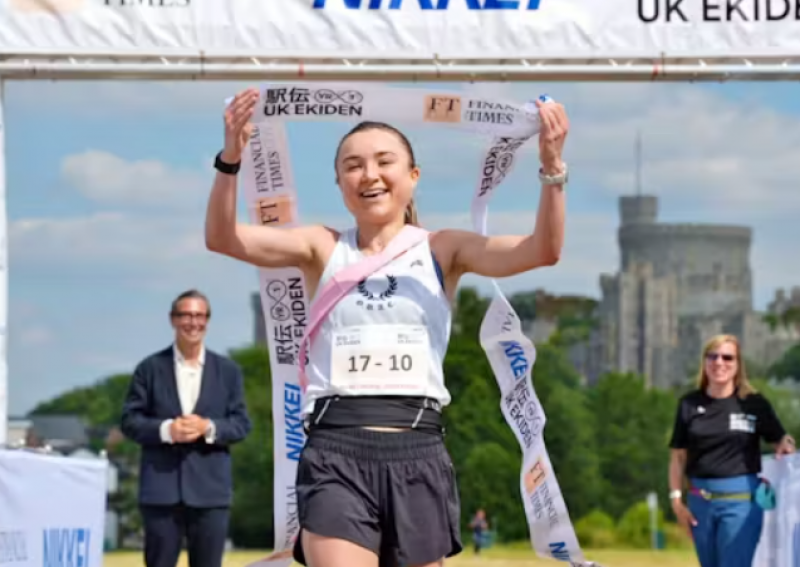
558 179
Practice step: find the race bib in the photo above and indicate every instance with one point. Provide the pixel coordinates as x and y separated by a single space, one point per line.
380 360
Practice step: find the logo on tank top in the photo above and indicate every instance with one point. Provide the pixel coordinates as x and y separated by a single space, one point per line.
378 292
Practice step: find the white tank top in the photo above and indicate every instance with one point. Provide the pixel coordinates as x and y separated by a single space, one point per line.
388 336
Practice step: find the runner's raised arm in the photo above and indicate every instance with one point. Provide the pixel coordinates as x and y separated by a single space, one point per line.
264 246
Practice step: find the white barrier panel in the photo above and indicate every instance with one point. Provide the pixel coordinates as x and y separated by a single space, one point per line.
375 29
780 540
52 510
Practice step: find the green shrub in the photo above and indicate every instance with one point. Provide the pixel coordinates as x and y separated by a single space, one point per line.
676 537
634 526
596 530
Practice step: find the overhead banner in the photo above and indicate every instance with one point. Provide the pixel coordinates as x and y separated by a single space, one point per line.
405 29
52 510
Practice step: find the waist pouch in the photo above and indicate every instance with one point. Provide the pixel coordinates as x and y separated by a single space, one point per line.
764 495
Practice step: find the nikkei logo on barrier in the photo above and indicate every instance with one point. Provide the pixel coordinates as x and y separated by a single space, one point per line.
66 547
13 548
429 4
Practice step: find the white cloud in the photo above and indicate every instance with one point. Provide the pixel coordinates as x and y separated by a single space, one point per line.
160 253
165 251
710 158
104 239
589 250
35 336
109 179
725 160
700 146
121 98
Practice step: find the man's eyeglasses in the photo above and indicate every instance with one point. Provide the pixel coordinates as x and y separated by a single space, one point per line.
184 315
712 356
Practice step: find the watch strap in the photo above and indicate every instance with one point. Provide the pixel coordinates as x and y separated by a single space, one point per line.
225 167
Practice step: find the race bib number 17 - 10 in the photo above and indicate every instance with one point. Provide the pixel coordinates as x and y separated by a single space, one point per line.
380 360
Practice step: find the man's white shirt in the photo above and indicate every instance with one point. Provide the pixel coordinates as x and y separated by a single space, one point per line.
188 379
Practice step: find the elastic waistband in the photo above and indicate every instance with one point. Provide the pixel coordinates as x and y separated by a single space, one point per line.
375 411
367 444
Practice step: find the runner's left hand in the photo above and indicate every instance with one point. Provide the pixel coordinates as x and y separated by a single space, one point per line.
552 135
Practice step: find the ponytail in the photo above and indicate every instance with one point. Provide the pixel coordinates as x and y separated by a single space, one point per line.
411 214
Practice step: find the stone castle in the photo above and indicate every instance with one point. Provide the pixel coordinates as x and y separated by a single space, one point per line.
678 285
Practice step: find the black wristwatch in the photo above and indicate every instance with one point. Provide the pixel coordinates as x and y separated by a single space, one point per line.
229 168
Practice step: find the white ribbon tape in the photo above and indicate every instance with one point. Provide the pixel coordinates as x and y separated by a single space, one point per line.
272 199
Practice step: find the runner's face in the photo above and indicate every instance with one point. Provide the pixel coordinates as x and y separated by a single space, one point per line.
375 176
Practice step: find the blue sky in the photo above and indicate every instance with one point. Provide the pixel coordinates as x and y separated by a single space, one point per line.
107 184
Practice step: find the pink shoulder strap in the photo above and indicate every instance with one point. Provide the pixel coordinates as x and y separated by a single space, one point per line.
347 278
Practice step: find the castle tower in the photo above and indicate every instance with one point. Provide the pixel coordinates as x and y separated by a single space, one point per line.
711 263
259 325
638 209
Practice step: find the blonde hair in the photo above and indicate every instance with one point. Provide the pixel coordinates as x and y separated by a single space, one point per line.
742 384
411 213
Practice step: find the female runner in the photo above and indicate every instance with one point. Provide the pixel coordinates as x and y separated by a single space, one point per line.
375 484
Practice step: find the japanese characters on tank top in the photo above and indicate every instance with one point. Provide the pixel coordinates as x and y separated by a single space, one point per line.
388 336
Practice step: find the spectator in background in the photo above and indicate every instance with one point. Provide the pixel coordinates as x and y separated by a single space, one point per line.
185 407
716 445
479 526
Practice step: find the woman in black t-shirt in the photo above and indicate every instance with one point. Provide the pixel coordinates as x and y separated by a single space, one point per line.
716 445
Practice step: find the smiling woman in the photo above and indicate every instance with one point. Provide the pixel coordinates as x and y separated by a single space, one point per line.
352 165
716 444
375 484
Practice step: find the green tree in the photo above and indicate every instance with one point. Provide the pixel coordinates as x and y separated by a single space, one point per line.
607 444
99 404
489 479
253 476
785 399
632 426
468 313
788 366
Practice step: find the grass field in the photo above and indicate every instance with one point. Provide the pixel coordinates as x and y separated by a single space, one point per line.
490 558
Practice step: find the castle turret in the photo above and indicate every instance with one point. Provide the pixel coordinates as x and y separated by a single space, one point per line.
711 262
638 209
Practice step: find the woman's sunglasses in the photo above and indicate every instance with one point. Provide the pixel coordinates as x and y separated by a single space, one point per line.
712 356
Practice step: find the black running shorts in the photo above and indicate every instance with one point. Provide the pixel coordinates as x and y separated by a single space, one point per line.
394 493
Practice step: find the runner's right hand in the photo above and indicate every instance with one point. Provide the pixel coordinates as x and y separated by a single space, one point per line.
684 516
238 127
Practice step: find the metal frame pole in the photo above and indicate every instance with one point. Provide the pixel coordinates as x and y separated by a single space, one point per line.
3 280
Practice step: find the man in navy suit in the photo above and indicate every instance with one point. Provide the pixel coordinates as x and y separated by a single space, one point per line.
185 407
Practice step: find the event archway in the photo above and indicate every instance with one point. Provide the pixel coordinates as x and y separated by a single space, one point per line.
389 40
